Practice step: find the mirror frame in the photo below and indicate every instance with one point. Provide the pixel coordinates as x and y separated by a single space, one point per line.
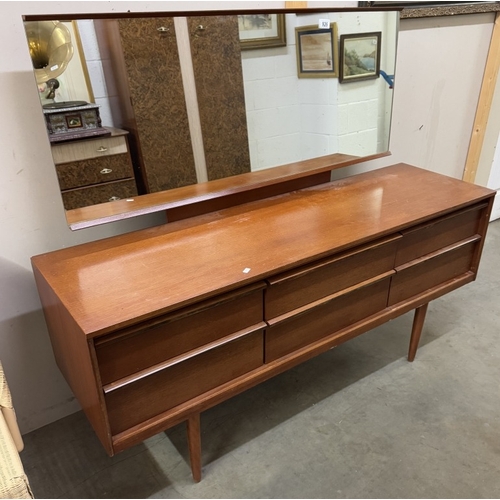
197 199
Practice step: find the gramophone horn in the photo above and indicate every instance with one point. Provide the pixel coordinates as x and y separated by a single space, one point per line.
50 48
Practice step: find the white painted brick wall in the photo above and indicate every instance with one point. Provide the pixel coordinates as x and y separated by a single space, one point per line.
326 118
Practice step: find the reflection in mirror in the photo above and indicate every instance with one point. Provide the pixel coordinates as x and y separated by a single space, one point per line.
146 105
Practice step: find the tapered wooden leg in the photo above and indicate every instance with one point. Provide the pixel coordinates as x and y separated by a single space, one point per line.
194 442
416 331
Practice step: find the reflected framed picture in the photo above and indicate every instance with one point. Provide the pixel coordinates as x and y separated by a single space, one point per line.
74 121
360 56
317 52
260 31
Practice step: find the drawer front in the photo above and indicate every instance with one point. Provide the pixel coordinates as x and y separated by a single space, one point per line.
101 193
427 273
134 403
121 355
439 234
293 290
94 171
319 322
92 148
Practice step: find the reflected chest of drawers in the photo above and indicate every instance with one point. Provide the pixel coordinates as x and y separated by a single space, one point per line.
153 327
96 170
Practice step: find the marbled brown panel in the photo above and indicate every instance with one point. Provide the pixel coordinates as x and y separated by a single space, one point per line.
453 9
218 74
157 94
101 193
94 171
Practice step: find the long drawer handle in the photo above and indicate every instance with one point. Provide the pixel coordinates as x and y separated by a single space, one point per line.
438 252
102 149
105 171
146 372
295 313
114 198
308 268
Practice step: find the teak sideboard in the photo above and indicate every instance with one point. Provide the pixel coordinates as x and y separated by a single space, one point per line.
153 327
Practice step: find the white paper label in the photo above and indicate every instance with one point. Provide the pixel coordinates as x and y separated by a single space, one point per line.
324 24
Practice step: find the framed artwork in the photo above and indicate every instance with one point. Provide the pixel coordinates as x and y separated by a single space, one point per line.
317 52
360 56
258 31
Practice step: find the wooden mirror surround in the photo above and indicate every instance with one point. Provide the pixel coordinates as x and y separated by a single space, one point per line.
200 119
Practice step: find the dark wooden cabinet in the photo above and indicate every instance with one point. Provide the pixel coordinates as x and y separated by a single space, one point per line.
96 170
153 327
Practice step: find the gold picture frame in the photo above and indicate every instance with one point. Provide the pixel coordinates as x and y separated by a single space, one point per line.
261 31
317 52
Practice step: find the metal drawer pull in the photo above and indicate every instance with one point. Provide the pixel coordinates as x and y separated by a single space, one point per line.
162 29
199 29
102 149
106 171
114 198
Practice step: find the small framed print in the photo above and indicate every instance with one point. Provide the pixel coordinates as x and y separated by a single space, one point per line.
360 56
261 31
317 52
74 121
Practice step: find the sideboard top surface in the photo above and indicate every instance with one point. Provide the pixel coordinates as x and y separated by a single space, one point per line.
121 280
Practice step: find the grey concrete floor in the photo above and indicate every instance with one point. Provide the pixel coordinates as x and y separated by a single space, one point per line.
356 422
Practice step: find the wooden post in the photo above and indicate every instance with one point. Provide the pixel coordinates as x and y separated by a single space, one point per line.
416 331
484 104
194 443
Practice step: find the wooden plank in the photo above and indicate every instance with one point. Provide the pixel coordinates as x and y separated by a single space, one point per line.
484 105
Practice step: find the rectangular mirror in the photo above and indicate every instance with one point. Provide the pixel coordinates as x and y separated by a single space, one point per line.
157 112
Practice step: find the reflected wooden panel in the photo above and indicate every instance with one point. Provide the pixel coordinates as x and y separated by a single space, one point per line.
94 171
216 54
157 94
146 69
101 193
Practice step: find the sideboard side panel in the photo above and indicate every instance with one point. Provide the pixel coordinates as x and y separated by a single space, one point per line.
72 353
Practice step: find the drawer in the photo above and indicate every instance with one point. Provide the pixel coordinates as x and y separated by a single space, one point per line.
439 233
123 354
102 193
295 289
420 275
315 323
92 148
94 171
147 397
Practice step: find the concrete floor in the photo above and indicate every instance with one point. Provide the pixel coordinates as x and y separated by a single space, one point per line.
356 422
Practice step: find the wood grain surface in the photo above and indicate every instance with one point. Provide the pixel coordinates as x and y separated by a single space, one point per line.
126 279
